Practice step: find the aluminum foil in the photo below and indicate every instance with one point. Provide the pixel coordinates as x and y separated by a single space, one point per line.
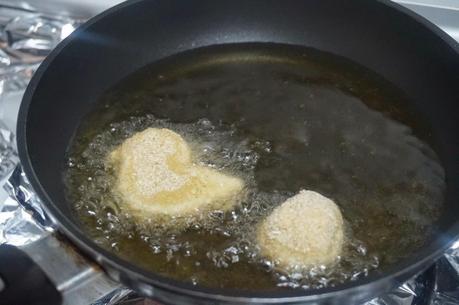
8 155
26 37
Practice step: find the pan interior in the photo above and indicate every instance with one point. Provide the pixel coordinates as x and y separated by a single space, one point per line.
283 118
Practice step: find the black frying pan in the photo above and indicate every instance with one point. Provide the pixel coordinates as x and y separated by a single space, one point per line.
402 47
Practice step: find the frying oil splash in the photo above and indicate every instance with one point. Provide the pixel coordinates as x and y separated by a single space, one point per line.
279 133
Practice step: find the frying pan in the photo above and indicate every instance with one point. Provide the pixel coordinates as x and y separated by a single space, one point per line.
395 43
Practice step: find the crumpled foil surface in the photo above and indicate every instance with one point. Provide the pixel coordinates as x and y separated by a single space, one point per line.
8 155
26 37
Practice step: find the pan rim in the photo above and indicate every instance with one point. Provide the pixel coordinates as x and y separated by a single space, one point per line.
402 270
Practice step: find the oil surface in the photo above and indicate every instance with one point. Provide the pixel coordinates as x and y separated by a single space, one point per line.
283 119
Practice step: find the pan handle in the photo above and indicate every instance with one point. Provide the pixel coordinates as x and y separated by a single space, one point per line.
22 281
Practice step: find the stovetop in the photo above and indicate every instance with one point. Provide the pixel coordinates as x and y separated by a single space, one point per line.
29 30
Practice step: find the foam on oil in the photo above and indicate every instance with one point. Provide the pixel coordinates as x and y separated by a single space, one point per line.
282 120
